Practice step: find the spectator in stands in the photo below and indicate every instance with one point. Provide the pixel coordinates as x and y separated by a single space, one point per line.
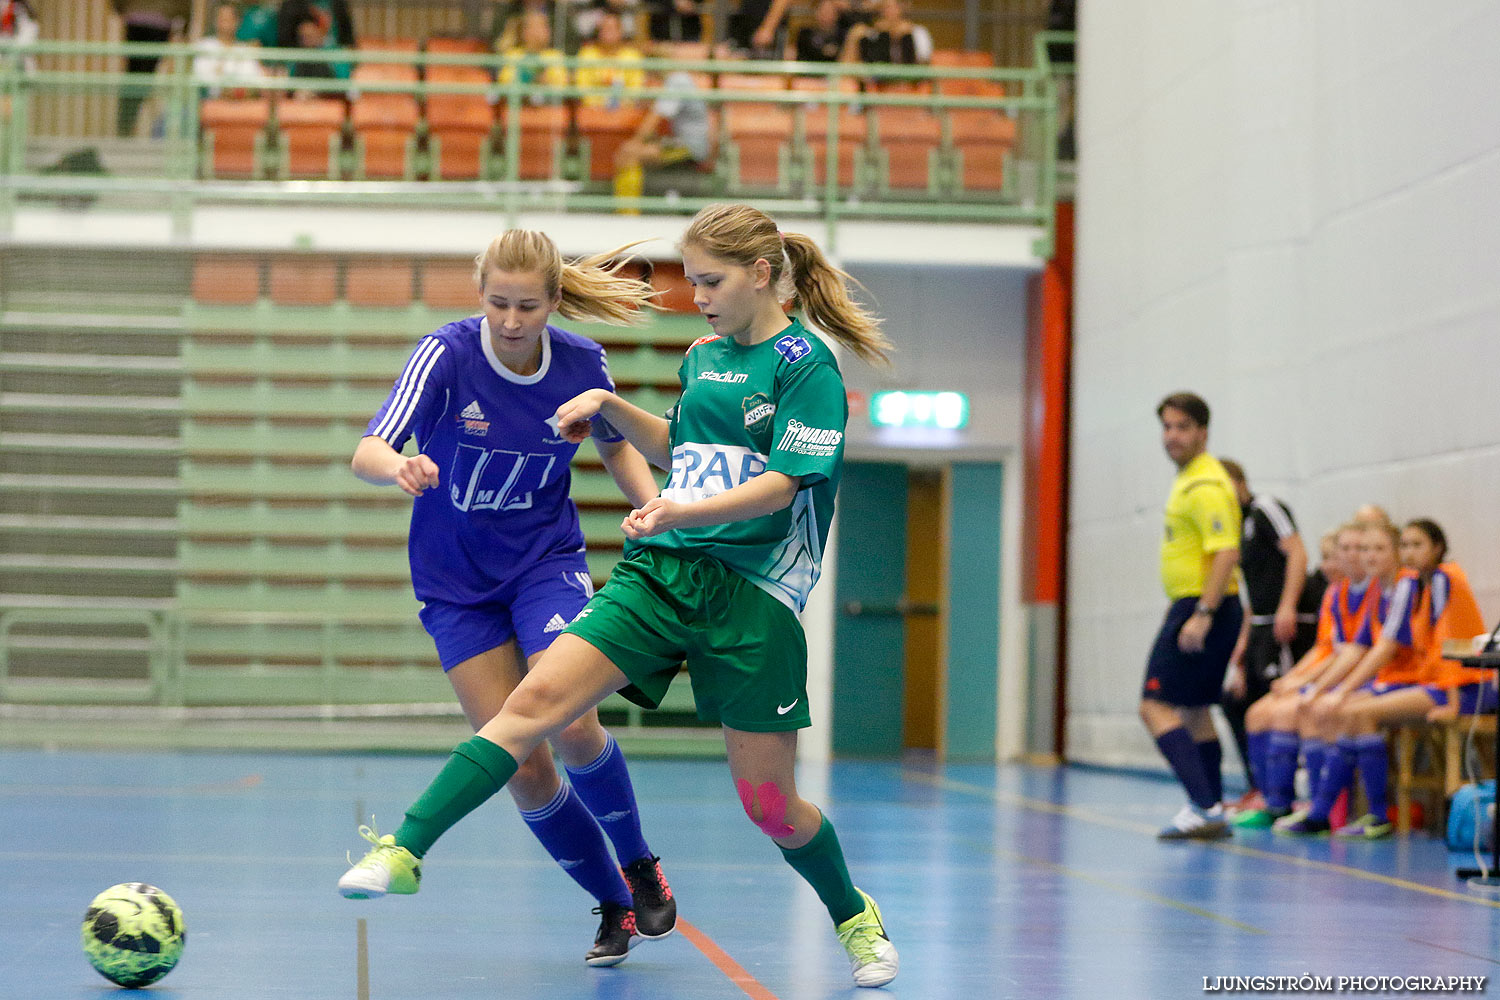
823 40
1275 723
587 18
1273 562
220 56
145 21
685 115
258 25
544 63
316 24
18 26
609 45
1402 678
757 29
675 20
892 38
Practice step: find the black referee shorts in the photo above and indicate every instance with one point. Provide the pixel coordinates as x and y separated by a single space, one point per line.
1192 680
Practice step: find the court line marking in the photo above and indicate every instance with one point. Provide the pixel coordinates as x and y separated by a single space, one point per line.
1120 887
1073 812
362 961
733 971
1456 951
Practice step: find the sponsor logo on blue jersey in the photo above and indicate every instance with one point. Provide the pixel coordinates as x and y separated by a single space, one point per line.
472 418
793 348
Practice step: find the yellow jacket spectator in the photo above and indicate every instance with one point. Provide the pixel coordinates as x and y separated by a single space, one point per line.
536 43
609 45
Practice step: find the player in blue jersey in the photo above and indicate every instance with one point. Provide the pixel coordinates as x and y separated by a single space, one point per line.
497 555
716 568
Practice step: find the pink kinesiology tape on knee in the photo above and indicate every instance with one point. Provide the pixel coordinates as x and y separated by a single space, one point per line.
772 820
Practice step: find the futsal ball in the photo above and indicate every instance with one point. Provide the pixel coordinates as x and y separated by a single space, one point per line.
133 934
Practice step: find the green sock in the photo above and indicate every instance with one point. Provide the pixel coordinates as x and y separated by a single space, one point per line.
476 770
821 862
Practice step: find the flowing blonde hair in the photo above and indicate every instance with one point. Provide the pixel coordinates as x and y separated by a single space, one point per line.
592 288
799 273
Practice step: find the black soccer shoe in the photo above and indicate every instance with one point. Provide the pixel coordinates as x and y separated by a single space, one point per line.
616 935
655 909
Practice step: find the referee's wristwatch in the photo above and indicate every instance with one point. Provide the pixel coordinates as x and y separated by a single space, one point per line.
1204 609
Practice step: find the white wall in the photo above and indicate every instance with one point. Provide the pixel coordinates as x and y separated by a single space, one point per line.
958 328
1289 207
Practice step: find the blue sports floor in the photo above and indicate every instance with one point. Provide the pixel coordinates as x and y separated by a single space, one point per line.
1017 882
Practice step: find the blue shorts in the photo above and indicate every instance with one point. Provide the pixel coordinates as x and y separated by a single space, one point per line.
1192 680
1383 687
539 605
1473 699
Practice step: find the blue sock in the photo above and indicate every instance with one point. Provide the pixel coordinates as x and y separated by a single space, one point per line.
1255 744
1315 756
1187 764
604 786
1373 769
1281 769
571 836
1338 772
1212 756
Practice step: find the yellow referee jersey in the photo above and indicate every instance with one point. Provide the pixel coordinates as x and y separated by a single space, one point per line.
1202 517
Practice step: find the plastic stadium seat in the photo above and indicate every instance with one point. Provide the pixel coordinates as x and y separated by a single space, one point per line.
544 129
910 138
237 131
303 281
982 138
385 73
312 133
962 57
226 280
459 125
758 131
385 130
449 284
606 131
378 283
455 46
676 294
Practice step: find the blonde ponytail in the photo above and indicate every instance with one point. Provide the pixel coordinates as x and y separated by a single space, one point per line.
591 288
799 272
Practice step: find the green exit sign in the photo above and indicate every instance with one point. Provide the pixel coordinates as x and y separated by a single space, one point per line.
900 408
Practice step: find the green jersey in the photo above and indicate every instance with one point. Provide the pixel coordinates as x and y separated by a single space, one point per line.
777 406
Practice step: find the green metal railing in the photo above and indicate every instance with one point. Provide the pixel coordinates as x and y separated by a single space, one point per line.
180 180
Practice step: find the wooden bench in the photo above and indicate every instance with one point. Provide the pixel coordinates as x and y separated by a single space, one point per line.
1443 743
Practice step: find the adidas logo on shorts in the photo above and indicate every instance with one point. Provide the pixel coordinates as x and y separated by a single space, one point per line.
555 624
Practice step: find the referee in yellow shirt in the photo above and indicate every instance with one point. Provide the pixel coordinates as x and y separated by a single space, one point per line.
1185 674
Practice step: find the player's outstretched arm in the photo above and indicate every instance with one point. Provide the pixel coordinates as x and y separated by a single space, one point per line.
377 463
650 434
630 471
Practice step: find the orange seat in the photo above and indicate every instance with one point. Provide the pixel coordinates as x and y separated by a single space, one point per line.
303 281
455 46
759 131
378 72
226 280
236 127
676 294
910 137
394 44
544 129
982 137
849 134
312 133
961 57
449 284
378 282
461 124
606 131
385 127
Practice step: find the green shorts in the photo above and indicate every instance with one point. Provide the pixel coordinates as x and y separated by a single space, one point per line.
745 651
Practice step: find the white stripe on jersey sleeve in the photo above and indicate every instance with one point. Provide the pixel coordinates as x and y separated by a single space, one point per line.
1277 515
1439 594
409 389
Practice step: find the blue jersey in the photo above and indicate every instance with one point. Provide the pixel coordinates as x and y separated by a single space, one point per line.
502 501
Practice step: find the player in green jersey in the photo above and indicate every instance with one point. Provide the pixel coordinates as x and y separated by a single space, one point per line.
716 567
